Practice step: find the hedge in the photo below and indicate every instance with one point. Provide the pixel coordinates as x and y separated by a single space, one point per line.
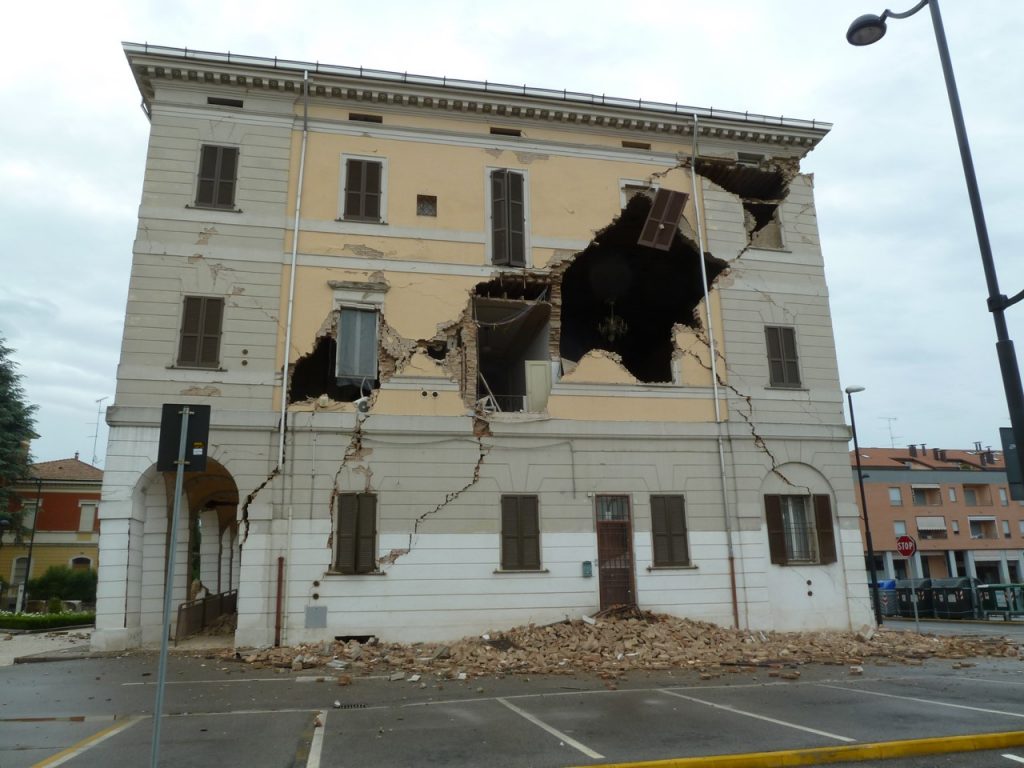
10 620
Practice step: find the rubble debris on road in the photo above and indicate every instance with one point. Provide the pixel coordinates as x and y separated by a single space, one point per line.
629 640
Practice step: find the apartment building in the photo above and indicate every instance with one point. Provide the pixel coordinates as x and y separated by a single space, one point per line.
956 504
477 355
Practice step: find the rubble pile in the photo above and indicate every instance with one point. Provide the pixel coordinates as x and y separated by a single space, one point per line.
630 641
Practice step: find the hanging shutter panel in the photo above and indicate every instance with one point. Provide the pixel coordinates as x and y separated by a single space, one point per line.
823 525
663 220
348 513
188 350
529 529
212 317
676 516
776 530
499 217
366 534
509 533
659 531
516 220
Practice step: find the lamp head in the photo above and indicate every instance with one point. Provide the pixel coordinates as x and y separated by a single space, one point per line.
853 388
865 30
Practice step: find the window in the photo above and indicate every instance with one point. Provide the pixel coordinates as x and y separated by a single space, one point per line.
933 527
978 495
200 332
895 497
87 518
363 190
970 497
952 494
1020 524
508 218
899 528
795 535
783 370
956 527
81 563
630 189
520 534
217 171
28 514
1006 529
926 496
668 531
983 528
357 346
426 205
356 533
1004 500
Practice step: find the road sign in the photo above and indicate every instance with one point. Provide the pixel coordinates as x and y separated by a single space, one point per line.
906 546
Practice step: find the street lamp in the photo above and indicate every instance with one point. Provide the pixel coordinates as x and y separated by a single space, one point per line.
869 29
864 508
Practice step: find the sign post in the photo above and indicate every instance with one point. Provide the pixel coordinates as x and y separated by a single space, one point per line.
175 435
907 547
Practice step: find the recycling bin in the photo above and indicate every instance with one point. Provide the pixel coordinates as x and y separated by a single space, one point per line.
887 603
954 598
923 589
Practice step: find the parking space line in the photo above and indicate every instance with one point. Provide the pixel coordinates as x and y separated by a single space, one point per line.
756 716
553 731
86 744
1014 758
923 701
317 745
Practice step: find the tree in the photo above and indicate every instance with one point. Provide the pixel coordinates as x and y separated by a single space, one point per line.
16 431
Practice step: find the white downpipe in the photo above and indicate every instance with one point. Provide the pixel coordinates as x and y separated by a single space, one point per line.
287 349
713 353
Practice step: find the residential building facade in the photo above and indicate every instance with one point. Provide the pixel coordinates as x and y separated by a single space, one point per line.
59 506
956 505
457 340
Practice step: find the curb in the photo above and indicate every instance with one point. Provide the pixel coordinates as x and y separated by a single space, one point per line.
879 750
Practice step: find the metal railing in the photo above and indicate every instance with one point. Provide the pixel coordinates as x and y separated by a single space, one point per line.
196 615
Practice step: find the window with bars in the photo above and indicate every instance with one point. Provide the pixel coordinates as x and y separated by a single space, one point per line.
218 169
508 218
364 190
201 320
356 548
783 366
520 533
800 530
668 531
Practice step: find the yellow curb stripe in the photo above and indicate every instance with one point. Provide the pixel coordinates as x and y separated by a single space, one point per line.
878 750
76 749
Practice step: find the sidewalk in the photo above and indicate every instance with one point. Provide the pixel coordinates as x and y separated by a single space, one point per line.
72 643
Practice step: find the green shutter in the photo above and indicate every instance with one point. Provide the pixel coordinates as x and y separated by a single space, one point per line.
516 220
209 348
776 530
499 217
191 319
529 529
348 514
676 514
510 556
659 531
366 534
823 526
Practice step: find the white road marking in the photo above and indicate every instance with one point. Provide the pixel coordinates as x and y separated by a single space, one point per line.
1014 758
553 731
326 677
728 708
316 747
86 744
923 701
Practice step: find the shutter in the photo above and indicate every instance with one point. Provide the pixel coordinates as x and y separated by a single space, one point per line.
510 559
353 189
776 530
207 175
676 515
188 350
226 176
663 220
823 525
499 217
209 348
348 513
366 534
776 366
787 340
371 190
529 530
659 531
516 220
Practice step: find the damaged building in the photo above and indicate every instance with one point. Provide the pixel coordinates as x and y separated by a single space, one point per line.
477 357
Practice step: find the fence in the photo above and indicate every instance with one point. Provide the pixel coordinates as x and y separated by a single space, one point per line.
195 615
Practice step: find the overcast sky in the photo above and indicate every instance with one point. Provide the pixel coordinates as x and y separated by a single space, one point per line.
907 290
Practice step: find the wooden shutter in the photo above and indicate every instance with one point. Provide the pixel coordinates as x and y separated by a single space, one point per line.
788 338
776 530
209 346
201 322
499 217
516 220
783 367
366 534
226 172
510 556
191 319
823 525
529 533
659 531
668 530
218 168
348 515
663 220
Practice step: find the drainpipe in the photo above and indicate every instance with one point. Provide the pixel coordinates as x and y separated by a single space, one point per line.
714 373
282 621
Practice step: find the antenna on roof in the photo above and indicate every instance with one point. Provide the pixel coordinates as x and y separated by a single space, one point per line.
96 434
892 438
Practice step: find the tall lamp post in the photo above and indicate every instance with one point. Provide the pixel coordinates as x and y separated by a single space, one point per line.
864 508
32 538
869 29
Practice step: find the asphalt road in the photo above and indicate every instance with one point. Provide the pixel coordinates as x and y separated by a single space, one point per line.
96 712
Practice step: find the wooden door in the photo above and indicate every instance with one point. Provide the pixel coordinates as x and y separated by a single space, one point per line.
614 551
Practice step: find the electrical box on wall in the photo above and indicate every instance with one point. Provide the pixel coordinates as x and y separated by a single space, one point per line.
588 569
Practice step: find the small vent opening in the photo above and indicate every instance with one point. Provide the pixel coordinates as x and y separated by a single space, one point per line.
218 101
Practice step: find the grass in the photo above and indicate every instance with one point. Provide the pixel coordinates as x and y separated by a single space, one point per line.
10 620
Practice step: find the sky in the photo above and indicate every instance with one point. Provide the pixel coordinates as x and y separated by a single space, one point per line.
905 279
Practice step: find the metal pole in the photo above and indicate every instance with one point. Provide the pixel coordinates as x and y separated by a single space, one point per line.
997 302
179 479
913 595
864 514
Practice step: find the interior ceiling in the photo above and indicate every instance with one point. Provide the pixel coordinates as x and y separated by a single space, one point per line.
744 180
501 340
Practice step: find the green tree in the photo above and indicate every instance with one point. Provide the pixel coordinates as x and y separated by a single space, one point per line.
16 430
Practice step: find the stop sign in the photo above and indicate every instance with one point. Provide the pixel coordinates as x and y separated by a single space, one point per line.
906 546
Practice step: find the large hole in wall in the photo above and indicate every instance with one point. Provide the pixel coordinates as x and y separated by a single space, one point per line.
512 353
762 185
625 298
315 374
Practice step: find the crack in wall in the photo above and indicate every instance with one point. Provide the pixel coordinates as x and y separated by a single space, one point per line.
252 497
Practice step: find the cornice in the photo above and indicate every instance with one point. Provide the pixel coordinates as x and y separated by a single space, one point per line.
355 85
